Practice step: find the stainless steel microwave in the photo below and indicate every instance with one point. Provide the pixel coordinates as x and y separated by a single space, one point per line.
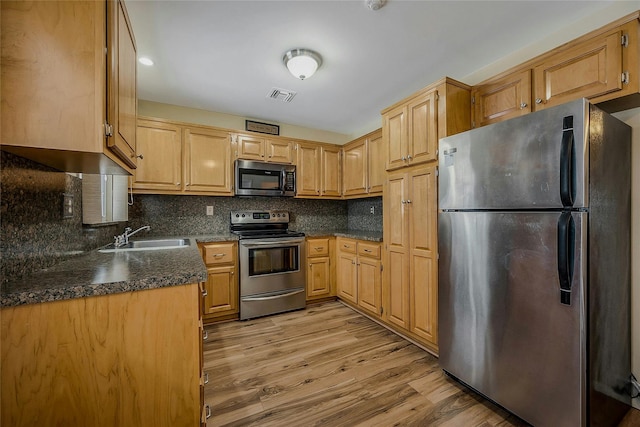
264 179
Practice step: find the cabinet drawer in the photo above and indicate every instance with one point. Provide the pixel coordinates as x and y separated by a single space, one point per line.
346 245
219 253
370 250
317 247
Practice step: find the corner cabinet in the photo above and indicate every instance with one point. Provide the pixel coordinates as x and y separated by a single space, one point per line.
363 166
177 158
132 358
65 102
221 292
318 172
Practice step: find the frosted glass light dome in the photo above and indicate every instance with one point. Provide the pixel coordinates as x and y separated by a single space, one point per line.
302 63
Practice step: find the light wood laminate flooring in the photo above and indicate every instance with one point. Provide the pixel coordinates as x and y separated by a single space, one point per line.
328 365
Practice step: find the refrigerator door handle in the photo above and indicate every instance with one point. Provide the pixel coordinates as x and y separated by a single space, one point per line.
567 159
566 252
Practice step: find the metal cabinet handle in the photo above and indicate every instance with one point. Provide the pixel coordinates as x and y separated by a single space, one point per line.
408 200
310 265
206 378
368 250
140 156
205 335
318 248
409 157
204 293
218 255
208 411
403 201
538 100
523 105
404 158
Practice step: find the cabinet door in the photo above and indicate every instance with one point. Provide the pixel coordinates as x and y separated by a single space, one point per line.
502 99
423 260
160 164
370 285
375 169
394 131
396 232
318 277
250 147
207 161
423 129
347 277
222 291
331 184
590 69
355 168
121 83
279 151
308 170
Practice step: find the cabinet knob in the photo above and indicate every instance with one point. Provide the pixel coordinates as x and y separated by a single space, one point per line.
204 293
538 100
404 158
177 183
140 156
310 265
187 184
409 157
523 105
403 201
408 200
270 156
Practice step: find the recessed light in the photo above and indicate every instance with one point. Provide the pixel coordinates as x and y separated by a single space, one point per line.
145 61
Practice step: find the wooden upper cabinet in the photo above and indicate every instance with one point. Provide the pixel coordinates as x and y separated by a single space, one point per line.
279 151
121 84
318 170
423 129
355 168
589 69
375 168
331 184
502 99
207 161
160 165
308 170
251 147
59 89
412 127
363 166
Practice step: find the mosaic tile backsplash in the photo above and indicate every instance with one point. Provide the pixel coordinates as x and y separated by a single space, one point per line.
33 233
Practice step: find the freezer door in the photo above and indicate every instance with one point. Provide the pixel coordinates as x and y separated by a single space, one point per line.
505 327
535 161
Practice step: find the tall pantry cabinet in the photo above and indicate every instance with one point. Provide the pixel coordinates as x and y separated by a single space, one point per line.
410 130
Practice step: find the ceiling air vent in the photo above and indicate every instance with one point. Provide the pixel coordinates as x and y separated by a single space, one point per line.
281 94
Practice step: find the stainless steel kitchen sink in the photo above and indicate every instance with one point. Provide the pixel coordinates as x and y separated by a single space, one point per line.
148 245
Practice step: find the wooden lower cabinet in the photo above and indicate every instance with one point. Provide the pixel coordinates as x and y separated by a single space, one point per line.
124 359
359 274
320 268
221 292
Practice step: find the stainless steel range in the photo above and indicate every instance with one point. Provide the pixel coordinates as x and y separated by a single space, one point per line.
272 277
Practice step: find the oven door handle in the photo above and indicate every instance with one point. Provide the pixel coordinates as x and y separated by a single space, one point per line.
274 242
288 294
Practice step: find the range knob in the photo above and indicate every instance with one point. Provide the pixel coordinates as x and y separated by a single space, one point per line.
273 215
237 215
242 215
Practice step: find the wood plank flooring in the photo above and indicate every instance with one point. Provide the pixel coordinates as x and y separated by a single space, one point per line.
330 366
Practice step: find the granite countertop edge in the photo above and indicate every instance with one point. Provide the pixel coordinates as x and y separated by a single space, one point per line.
372 236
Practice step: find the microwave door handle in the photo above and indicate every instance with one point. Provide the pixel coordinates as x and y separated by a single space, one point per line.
283 180
279 242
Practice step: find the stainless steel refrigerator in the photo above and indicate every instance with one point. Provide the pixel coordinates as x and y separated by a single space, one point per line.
534 264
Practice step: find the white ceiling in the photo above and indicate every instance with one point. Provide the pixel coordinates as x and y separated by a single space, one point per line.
225 56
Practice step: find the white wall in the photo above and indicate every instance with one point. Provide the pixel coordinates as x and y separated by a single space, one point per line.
230 121
632 118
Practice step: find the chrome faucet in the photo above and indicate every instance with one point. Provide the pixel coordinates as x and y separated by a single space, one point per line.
123 239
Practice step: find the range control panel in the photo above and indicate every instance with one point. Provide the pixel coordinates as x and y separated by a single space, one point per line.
260 217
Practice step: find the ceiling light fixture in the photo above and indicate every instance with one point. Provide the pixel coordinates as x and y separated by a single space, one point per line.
302 63
145 61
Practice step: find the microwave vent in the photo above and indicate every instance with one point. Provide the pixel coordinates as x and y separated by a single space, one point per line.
281 94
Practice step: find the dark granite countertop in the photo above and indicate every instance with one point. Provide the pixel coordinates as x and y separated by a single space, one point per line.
372 236
95 273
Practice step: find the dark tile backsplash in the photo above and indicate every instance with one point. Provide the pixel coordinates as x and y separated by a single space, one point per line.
180 215
33 234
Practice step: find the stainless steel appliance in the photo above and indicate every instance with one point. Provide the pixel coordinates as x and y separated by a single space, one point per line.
264 179
272 277
534 268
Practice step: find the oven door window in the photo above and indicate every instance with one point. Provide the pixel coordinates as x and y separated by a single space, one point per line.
255 179
273 260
